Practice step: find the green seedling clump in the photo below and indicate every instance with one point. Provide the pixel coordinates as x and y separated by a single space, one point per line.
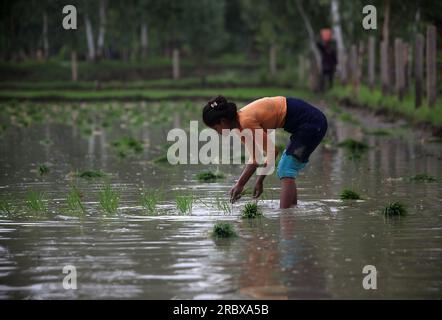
353 146
91 174
109 200
379 132
251 211
74 200
348 194
149 200
209 176
184 204
5 206
127 145
223 230
35 201
43 169
423 177
394 209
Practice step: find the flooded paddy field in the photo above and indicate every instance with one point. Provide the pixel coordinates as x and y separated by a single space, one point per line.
87 185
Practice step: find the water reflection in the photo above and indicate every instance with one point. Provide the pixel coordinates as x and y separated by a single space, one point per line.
316 250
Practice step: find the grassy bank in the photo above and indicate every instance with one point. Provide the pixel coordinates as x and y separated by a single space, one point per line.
375 100
146 94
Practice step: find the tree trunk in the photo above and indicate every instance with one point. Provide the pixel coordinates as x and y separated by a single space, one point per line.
301 69
176 63
89 38
385 49
272 59
311 35
431 65
418 69
338 35
385 72
101 29
371 62
45 36
355 68
399 68
144 40
386 25
74 67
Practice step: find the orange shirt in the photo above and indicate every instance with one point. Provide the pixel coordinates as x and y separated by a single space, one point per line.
265 113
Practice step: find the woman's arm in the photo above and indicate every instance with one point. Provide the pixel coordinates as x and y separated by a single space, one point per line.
235 192
249 170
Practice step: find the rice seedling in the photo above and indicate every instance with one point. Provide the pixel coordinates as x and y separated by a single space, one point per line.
6 207
353 146
394 209
251 211
209 176
160 159
423 177
90 174
43 169
109 200
149 200
348 194
223 205
378 132
35 201
74 200
347 117
46 142
127 146
184 204
223 230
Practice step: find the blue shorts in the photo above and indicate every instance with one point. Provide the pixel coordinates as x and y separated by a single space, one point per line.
308 126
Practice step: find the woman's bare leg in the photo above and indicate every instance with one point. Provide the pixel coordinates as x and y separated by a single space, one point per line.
288 193
295 193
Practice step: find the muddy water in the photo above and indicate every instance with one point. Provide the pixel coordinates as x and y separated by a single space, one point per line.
316 250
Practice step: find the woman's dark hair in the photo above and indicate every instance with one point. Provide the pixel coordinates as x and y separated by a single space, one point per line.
217 109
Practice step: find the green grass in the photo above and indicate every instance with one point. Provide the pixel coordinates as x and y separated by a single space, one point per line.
35 201
109 200
143 94
43 169
423 177
251 211
128 146
90 174
74 201
348 194
394 209
223 230
210 176
184 204
149 200
376 100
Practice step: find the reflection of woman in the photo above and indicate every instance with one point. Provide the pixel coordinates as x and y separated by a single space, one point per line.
306 123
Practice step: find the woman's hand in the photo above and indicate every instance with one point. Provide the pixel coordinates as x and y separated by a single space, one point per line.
235 192
259 187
